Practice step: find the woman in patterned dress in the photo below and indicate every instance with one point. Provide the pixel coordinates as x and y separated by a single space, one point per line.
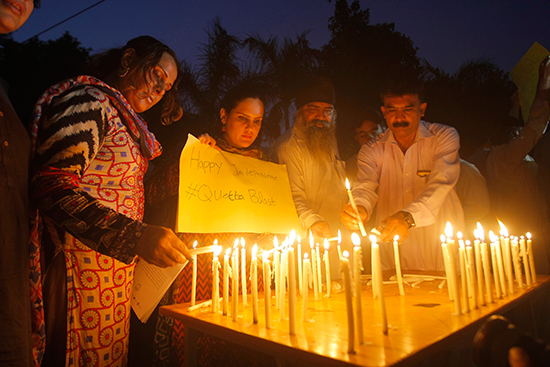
241 114
91 151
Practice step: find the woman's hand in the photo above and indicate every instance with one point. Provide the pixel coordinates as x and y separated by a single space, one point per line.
208 140
161 247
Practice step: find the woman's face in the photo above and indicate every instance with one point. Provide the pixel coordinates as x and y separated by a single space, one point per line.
144 92
243 122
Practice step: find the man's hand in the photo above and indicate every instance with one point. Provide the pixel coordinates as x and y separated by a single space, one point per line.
394 225
161 247
349 217
320 229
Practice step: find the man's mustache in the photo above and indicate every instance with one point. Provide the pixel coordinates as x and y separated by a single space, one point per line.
317 121
401 124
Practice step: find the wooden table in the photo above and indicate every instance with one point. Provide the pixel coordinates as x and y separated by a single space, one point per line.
421 323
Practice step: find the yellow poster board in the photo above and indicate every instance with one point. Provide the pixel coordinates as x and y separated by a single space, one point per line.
225 192
526 75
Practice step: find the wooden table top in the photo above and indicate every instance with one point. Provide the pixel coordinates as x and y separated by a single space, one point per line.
420 323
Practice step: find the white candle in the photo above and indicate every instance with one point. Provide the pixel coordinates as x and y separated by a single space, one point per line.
216 278
463 272
226 272
244 281
326 259
267 290
254 282
531 258
357 268
507 256
300 270
479 266
445 252
453 268
525 257
398 265
487 271
194 280
282 283
496 275
277 269
379 285
344 265
373 264
314 268
291 291
516 261
338 247
352 202
470 269
306 279
235 283
319 268
500 262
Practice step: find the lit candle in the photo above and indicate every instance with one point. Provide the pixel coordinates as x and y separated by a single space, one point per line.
496 275
291 291
319 267
267 290
306 280
531 258
445 252
463 272
339 242
314 267
500 263
277 269
194 281
379 284
282 283
516 261
357 268
300 270
226 272
216 277
344 266
398 265
235 281
326 259
479 266
452 267
373 265
486 270
352 202
507 256
523 254
472 282
244 281
254 282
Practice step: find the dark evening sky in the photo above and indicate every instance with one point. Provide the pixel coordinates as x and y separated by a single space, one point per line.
446 33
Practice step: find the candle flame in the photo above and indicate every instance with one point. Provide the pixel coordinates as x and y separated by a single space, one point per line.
396 238
325 244
292 236
254 251
306 256
459 235
468 243
345 254
355 239
347 184
528 235
339 237
493 237
236 245
476 234
228 252
480 232
242 242
503 229
276 242
443 238
373 238
265 255
449 230
311 238
217 250
195 244
299 239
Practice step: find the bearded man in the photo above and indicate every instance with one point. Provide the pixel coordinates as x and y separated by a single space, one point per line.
310 153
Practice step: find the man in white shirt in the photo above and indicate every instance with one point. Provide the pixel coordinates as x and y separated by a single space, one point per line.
410 171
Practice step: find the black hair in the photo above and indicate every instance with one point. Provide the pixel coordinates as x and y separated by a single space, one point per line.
400 86
149 51
366 113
